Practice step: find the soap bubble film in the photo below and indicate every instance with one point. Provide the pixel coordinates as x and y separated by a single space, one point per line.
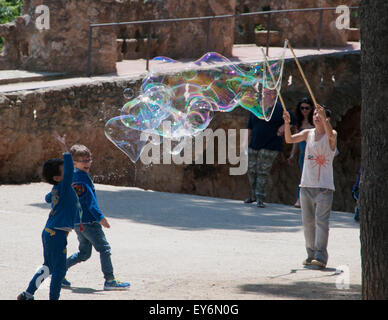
187 100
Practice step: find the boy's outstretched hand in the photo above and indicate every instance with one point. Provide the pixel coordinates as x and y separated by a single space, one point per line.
62 140
105 223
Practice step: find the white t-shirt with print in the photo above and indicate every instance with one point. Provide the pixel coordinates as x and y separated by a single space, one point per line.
318 163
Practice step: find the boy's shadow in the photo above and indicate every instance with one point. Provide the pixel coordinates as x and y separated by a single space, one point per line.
334 271
83 290
326 269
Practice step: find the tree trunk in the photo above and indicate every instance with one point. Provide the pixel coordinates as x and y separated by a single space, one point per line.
374 155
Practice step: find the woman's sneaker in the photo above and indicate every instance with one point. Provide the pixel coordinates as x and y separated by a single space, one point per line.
116 285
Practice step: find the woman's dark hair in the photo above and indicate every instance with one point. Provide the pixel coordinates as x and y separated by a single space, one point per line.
299 115
51 168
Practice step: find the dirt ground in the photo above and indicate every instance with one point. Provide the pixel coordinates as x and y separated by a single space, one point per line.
175 246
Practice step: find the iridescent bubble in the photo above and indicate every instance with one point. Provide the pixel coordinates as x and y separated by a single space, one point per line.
128 93
199 114
128 140
182 104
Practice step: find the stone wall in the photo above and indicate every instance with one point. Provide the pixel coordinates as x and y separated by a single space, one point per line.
300 28
64 46
179 39
27 120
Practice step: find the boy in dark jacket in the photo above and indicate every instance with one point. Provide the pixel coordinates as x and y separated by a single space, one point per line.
65 209
88 227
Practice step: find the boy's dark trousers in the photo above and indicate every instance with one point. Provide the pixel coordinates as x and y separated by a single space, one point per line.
54 252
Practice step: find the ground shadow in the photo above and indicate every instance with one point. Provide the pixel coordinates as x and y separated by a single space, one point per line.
183 211
81 290
306 290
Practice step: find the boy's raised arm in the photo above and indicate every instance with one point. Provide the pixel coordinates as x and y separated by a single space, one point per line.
292 138
68 165
330 132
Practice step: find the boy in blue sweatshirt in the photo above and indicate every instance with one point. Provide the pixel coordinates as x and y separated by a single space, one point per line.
65 209
88 227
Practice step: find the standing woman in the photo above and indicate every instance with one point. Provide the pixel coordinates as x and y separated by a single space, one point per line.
304 120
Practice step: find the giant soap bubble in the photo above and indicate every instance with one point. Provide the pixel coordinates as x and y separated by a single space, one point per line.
187 100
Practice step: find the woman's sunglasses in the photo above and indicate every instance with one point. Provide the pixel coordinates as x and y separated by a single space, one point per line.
305 108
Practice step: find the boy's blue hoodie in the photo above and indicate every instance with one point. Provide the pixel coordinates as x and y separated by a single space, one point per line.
84 187
65 207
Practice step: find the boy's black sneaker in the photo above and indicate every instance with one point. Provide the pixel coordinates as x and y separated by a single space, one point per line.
25 296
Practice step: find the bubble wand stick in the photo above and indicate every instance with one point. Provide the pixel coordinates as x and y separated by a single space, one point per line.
273 79
302 73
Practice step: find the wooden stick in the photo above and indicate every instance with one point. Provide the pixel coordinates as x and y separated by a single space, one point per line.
273 79
302 73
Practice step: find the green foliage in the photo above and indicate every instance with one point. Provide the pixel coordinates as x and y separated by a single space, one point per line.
259 27
9 10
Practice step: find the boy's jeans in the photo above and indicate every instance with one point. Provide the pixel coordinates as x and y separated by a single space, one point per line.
316 206
92 236
54 252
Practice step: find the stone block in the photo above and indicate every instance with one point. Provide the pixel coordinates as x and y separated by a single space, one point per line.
275 39
353 34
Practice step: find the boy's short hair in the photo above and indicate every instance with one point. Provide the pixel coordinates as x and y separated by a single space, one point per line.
328 112
51 168
79 151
